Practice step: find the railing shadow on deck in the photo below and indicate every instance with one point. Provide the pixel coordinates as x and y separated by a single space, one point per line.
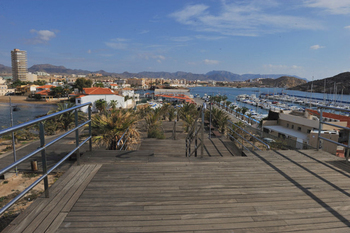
44 146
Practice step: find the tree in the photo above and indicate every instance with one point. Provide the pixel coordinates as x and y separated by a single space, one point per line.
40 82
81 83
109 126
56 91
113 104
101 105
63 121
98 84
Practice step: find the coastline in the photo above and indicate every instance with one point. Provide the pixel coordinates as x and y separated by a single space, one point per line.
22 100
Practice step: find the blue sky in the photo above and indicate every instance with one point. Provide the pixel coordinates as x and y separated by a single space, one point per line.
308 38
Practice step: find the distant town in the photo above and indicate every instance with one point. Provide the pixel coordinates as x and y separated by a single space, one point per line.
41 84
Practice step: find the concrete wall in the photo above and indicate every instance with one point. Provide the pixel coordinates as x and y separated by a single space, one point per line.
92 98
326 146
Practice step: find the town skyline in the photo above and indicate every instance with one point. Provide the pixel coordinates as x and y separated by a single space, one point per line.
304 38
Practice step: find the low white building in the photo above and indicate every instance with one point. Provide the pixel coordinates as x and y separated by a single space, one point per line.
96 93
3 87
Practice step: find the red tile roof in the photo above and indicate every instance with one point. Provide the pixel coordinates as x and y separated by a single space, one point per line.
43 92
98 91
45 87
331 115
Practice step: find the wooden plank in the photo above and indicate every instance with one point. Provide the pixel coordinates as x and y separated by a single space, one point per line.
33 221
57 222
60 202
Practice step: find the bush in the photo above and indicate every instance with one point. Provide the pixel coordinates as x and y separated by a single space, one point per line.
155 132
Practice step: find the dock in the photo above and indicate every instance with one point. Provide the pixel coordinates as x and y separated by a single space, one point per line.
158 189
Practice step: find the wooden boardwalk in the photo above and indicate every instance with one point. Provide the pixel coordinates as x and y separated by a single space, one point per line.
161 191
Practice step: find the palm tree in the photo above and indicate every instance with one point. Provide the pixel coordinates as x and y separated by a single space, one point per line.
113 104
153 124
101 105
109 126
63 121
219 118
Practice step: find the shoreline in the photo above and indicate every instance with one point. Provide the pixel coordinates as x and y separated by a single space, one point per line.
22 100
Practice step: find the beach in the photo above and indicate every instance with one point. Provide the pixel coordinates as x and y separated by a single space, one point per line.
23 100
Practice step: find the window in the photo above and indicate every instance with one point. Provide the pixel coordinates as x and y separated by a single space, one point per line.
309 131
299 128
78 101
292 126
288 125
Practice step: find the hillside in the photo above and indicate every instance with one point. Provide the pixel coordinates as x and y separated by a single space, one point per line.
337 83
284 81
212 75
5 69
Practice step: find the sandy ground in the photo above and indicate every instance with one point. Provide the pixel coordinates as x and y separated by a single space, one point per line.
16 184
22 100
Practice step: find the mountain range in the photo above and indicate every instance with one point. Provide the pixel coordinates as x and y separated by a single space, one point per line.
212 75
337 84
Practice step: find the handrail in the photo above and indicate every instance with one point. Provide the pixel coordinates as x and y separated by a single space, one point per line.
243 138
124 142
193 134
267 146
44 145
321 122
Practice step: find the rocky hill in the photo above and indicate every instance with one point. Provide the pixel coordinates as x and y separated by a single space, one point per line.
212 75
336 84
5 69
284 81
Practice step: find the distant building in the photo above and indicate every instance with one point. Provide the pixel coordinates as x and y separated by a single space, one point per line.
3 87
96 93
19 65
31 77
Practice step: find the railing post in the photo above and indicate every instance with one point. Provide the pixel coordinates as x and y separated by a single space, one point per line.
77 153
13 137
347 149
186 148
43 158
202 144
319 129
195 139
90 132
210 119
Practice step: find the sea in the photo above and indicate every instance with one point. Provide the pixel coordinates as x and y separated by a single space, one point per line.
29 112
25 112
232 93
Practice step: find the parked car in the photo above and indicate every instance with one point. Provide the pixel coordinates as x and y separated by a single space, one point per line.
268 140
9 93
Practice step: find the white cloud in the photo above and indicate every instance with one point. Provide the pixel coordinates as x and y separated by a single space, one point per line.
117 43
181 38
316 47
282 67
42 36
211 62
335 7
144 31
89 51
347 27
242 18
202 37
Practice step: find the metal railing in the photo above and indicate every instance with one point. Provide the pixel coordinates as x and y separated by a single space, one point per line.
44 145
243 138
125 135
321 122
193 136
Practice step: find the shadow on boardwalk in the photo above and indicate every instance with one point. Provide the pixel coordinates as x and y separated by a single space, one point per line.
158 189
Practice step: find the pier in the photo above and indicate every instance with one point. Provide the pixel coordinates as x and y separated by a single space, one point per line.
158 189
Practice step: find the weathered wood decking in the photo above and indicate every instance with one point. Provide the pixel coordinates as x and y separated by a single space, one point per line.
275 191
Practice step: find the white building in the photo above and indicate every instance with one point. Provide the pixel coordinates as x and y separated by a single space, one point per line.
3 87
96 93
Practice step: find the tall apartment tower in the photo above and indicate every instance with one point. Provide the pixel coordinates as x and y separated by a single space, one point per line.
19 64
